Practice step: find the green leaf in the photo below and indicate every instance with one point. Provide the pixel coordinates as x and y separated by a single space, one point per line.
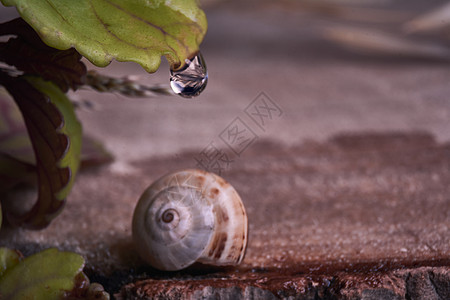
50 274
69 130
126 30
55 134
45 275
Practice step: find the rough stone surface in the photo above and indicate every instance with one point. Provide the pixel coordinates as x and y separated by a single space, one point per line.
397 284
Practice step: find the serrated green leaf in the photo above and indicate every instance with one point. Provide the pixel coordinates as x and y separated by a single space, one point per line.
71 128
126 30
55 134
45 275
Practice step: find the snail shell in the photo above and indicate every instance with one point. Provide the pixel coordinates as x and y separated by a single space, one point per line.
190 216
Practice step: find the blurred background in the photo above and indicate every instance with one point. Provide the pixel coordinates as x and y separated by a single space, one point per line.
332 66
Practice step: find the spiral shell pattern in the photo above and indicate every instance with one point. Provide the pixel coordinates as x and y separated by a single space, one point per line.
190 216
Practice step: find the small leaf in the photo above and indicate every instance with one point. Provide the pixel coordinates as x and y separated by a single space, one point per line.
8 259
55 134
45 275
125 30
29 54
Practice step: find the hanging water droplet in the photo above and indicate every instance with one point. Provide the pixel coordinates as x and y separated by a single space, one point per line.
191 80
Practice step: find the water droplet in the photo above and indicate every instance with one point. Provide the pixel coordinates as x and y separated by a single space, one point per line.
191 80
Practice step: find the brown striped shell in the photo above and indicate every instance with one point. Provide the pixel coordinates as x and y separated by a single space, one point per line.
190 216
